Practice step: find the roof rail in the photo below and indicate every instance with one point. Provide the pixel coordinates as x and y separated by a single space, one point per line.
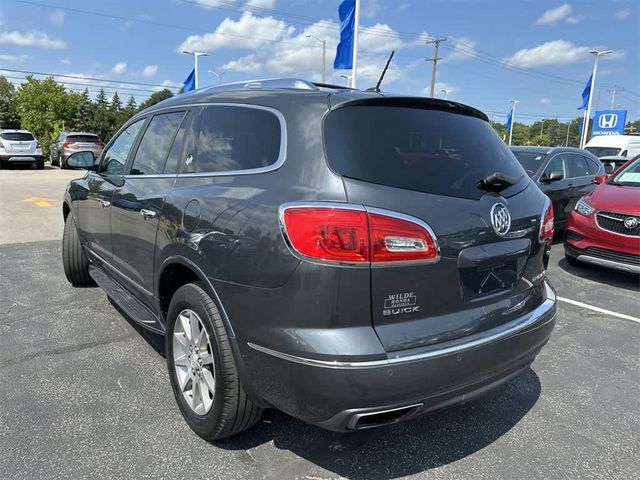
268 84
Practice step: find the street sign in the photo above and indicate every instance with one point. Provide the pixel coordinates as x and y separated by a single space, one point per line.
609 122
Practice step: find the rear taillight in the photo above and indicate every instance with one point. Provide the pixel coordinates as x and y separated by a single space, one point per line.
67 144
547 225
355 235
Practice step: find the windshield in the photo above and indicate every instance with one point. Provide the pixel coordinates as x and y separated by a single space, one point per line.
530 161
427 150
17 136
603 151
629 176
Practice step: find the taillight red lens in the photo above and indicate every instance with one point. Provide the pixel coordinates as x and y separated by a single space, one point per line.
328 233
547 227
67 144
352 235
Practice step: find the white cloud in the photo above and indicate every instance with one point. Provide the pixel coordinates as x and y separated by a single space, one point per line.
438 90
554 15
623 13
555 52
249 32
370 8
545 100
31 39
119 68
378 38
13 58
56 17
150 70
575 19
261 3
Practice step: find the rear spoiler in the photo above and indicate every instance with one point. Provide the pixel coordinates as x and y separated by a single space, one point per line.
414 102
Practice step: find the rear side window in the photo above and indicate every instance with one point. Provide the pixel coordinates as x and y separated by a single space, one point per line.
235 138
17 137
420 149
577 166
155 144
593 167
83 138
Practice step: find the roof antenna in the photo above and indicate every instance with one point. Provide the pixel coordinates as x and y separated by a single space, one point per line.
384 71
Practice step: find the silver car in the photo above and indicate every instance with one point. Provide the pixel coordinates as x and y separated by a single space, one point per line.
71 142
19 147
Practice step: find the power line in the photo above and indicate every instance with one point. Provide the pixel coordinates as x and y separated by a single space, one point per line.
125 90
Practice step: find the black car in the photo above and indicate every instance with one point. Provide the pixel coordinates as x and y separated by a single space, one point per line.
351 258
565 174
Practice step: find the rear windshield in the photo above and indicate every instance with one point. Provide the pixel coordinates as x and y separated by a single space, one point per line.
426 150
17 136
530 161
83 138
603 151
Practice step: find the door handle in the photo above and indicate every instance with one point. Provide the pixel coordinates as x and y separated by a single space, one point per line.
104 203
147 214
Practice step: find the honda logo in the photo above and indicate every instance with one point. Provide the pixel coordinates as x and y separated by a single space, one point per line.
608 120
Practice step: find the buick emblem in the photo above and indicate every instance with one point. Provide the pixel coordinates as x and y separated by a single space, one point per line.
631 222
500 219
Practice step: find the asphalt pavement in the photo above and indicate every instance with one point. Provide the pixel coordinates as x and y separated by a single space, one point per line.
85 394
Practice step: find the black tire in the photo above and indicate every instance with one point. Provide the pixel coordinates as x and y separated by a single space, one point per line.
53 162
572 260
232 411
61 162
74 261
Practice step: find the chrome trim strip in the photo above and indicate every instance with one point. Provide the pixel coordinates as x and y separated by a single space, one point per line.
625 267
597 213
513 328
409 409
282 154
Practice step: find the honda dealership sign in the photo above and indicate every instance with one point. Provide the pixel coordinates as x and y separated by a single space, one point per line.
609 122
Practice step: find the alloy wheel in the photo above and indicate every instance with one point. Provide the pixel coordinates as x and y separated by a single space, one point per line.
193 362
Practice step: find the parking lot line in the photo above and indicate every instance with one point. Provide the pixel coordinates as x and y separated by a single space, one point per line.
600 310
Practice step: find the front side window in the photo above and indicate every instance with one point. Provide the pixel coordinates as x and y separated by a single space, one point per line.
115 157
155 144
235 138
555 165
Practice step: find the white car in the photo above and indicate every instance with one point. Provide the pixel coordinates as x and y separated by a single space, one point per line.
614 145
19 147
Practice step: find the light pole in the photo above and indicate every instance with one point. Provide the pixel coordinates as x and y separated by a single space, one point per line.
585 126
324 56
541 129
219 75
347 77
446 92
566 143
195 63
513 118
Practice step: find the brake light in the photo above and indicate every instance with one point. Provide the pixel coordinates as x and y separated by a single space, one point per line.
67 144
354 235
547 226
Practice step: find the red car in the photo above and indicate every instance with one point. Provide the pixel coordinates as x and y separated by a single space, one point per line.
604 227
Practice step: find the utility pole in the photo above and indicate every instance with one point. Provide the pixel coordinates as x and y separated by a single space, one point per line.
613 95
436 45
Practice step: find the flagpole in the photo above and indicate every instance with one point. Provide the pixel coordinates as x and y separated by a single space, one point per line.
513 115
585 124
356 28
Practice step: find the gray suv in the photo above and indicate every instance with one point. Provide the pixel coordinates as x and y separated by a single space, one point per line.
68 143
352 258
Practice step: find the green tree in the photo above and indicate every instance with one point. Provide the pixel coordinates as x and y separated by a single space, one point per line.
156 97
9 116
101 117
129 109
115 113
633 127
44 107
83 119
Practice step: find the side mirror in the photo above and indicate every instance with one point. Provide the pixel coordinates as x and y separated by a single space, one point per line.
81 160
598 179
552 176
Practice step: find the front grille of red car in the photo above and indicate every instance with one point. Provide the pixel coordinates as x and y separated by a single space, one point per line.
613 256
615 222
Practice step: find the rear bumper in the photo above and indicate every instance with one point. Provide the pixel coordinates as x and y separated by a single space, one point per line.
7 158
339 395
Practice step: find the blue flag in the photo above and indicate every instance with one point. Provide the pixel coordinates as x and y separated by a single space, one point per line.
344 52
190 83
585 94
509 118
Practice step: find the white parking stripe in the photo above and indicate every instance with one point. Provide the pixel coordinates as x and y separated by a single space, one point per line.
600 310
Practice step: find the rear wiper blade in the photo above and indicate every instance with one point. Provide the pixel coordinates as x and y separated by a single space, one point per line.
496 182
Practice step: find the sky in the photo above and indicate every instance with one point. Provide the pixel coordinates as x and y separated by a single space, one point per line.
495 51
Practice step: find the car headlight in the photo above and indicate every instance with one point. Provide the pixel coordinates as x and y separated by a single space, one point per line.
584 208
